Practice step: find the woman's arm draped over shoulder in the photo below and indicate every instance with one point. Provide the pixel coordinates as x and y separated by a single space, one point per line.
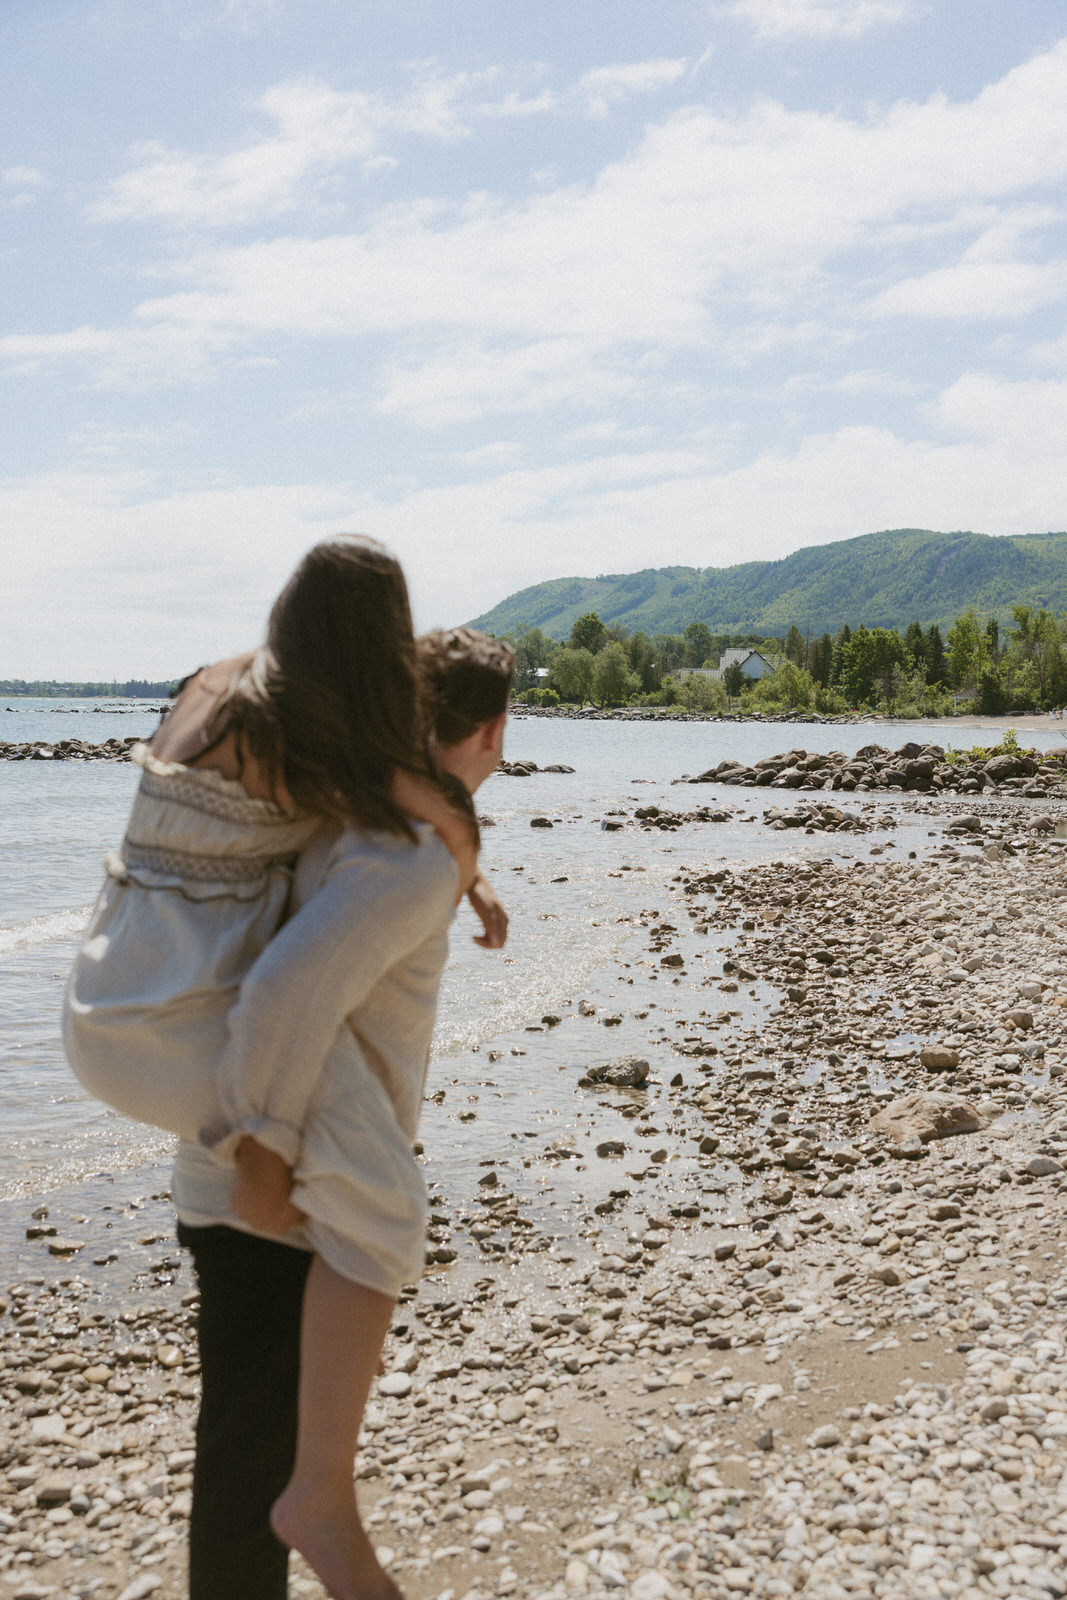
424 801
374 908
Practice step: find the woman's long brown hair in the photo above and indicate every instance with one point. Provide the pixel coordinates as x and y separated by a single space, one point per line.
332 704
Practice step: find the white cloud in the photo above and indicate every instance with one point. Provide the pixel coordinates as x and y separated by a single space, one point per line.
456 383
1029 416
123 358
486 457
605 87
976 289
819 19
871 382
1050 353
318 130
97 441
249 16
20 177
991 279
19 186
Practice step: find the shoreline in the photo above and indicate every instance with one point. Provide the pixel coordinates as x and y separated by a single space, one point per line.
116 749
1029 721
709 1340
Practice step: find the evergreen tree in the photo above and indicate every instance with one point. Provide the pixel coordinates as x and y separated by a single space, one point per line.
936 664
915 641
992 635
991 699
837 661
796 646
822 661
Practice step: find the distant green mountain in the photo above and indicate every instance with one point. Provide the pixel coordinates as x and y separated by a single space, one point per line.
881 579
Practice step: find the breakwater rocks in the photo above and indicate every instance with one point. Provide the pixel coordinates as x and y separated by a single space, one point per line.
68 750
923 768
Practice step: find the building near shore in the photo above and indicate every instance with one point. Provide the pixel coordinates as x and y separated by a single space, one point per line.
752 664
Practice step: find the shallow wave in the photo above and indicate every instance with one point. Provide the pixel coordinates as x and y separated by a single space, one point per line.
44 930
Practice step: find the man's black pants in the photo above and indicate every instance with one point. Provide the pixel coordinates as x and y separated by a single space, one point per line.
251 1299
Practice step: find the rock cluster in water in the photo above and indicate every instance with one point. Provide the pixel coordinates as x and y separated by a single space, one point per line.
68 750
916 767
526 769
827 818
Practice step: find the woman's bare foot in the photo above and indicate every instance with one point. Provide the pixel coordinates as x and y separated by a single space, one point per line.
260 1194
332 1540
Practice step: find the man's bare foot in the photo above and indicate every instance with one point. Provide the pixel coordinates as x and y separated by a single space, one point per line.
260 1194
332 1541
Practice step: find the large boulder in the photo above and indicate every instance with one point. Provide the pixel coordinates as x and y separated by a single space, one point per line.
1007 766
926 1116
939 1058
629 1073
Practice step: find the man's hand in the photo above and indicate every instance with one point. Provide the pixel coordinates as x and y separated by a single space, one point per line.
260 1195
494 919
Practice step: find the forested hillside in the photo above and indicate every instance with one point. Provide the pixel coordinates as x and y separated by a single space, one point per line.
880 579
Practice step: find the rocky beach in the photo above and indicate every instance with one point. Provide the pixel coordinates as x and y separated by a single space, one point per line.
782 1311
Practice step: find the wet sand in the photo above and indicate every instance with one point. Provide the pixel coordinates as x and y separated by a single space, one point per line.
718 1335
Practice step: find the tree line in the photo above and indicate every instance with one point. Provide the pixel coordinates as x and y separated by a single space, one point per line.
919 672
132 689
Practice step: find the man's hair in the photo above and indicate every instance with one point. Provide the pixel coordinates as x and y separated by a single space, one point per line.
466 677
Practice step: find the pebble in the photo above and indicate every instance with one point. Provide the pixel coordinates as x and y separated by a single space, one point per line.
396 1384
141 1587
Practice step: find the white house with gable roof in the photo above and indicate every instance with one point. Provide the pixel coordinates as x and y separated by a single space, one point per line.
752 664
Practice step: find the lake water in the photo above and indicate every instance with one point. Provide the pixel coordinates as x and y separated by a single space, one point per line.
571 890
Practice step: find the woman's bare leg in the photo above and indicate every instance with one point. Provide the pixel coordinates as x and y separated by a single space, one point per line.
343 1331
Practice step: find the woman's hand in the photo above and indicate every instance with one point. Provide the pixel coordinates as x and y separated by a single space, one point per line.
494 919
423 800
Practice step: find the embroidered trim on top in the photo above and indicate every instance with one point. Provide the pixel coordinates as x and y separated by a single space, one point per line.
198 797
196 868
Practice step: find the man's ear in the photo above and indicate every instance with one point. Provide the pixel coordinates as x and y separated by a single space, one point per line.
492 730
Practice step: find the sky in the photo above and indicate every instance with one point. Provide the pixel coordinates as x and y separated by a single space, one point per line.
525 291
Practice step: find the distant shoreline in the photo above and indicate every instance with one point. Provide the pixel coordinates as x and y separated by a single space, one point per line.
50 689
